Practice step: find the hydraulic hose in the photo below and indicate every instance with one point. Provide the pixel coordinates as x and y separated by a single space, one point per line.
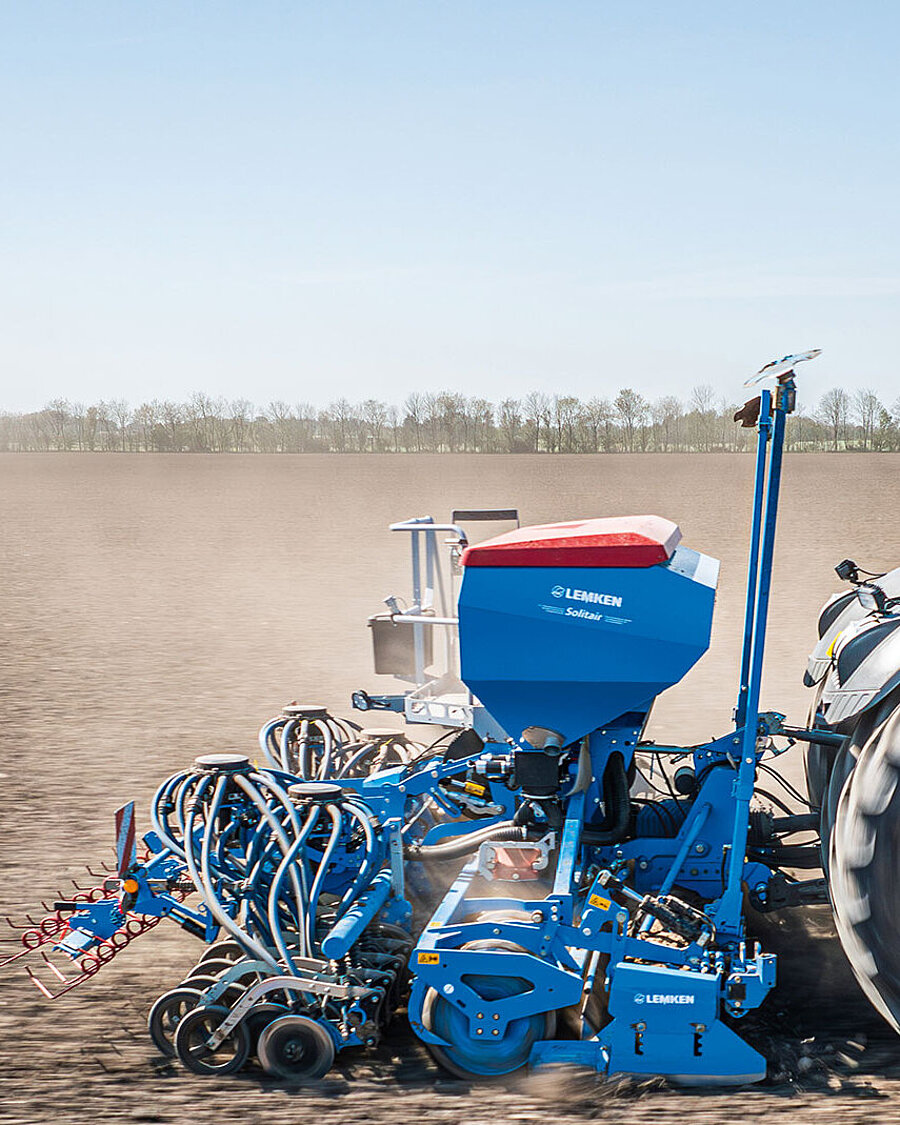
301 907
323 866
271 865
200 879
617 805
465 845
277 830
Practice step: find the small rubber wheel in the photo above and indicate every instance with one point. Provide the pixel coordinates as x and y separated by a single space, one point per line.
191 1042
231 950
258 1019
167 1013
295 1048
210 968
202 981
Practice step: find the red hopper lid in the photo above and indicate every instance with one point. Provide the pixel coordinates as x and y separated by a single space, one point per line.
620 541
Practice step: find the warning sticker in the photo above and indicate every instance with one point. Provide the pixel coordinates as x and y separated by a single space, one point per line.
429 958
599 901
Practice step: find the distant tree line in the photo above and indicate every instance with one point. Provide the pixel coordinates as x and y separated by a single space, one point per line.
444 422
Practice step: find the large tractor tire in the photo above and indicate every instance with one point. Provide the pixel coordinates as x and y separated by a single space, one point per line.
818 760
842 767
864 864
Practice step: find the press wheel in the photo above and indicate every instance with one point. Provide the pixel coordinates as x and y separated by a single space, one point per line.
191 1037
496 1056
296 1048
166 1014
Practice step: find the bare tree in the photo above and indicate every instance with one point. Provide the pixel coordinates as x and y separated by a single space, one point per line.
702 403
885 434
481 415
172 416
415 417
57 413
536 407
144 422
669 413
119 412
597 416
509 422
393 422
340 415
374 415
279 414
566 413
866 411
631 409
833 409
431 408
443 421
241 414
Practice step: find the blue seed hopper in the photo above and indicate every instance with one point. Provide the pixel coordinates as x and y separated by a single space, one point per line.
569 625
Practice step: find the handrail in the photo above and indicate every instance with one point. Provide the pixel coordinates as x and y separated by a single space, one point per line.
424 524
422 619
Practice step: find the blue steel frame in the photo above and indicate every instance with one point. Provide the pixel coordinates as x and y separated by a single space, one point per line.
561 937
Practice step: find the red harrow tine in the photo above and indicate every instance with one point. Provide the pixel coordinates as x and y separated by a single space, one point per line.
41 940
136 925
89 966
57 972
47 931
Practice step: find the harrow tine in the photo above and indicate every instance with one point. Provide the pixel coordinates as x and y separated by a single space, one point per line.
79 887
39 984
41 987
53 969
17 956
101 875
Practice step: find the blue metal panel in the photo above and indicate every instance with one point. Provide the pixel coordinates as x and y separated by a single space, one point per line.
669 998
665 1021
570 648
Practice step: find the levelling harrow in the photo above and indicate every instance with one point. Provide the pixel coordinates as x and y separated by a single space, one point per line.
594 889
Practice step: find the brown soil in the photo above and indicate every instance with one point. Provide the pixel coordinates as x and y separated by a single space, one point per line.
154 608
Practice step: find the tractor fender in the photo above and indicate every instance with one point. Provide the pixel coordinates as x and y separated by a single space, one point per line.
841 610
865 669
838 612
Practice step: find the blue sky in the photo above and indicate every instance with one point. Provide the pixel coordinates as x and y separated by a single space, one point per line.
304 200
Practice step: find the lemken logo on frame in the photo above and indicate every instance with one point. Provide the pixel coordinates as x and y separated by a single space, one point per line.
663 998
592 596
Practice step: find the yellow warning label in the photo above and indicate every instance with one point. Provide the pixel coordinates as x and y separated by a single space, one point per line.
474 788
429 958
599 901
